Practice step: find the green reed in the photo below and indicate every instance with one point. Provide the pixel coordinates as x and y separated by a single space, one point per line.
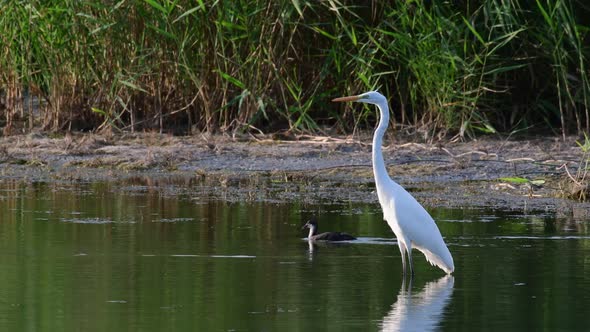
251 65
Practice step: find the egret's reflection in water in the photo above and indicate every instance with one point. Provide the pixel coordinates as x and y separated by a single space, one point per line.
422 311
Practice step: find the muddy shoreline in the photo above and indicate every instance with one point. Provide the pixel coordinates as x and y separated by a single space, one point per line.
309 169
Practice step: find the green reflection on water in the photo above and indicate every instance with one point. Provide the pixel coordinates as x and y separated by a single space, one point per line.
145 256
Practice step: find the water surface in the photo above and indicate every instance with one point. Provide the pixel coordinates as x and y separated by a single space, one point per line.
143 257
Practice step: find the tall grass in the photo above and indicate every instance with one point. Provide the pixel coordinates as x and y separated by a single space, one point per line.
252 65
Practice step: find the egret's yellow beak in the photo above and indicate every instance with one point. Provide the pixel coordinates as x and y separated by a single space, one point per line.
344 99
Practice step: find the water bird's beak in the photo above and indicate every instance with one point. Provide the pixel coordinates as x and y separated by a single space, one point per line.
345 99
305 226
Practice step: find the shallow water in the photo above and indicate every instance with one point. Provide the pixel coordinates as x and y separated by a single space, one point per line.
143 257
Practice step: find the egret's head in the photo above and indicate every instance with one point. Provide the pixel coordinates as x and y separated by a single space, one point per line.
371 97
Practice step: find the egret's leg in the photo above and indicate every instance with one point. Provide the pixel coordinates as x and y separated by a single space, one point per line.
411 262
402 250
403 291
409 251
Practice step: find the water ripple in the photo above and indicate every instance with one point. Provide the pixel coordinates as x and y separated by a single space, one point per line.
87 220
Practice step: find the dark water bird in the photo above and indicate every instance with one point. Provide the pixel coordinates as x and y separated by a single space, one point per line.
412 225
312 224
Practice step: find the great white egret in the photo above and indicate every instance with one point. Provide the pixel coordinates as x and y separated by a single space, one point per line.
412 225
312 224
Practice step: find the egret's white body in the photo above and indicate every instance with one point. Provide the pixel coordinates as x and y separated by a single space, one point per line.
412 225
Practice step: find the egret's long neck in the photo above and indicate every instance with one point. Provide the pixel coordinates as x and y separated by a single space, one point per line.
378 163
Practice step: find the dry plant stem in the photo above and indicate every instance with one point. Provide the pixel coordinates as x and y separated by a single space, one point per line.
564 166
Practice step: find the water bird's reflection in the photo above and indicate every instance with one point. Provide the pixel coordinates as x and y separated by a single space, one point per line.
421 311
315 245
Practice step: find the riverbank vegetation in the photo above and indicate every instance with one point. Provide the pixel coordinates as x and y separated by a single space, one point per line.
449 67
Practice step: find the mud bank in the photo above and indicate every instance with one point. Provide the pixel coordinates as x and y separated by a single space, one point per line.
473 174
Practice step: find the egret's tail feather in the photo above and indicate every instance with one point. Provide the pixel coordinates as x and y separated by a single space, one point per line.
445 262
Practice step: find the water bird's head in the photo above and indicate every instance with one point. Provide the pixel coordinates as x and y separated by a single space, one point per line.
311 224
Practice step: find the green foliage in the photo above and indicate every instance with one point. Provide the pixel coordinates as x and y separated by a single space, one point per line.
516 180
521 180
474 67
